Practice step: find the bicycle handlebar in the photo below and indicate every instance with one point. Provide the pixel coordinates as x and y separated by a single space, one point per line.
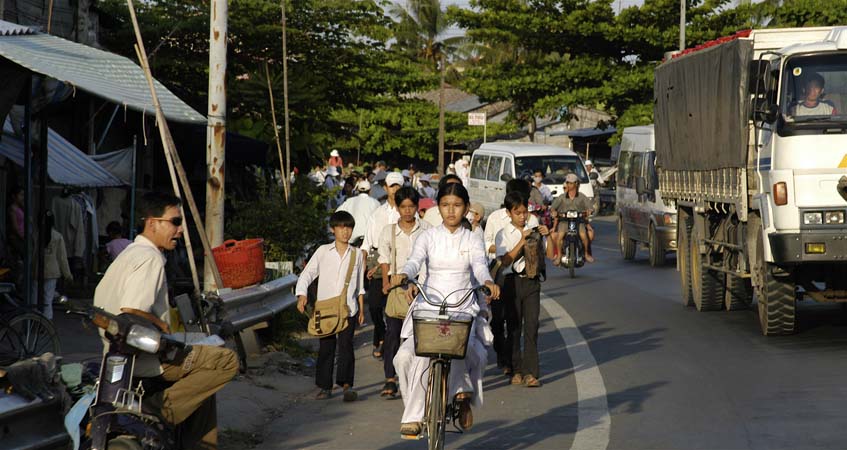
444 304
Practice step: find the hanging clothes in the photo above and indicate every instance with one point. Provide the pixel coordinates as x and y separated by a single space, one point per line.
68 217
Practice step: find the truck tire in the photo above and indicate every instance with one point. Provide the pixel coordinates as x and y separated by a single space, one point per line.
627 244
775 298
683 260
657 251
706 286
739 293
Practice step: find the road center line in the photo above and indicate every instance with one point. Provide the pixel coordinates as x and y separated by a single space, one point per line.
594 422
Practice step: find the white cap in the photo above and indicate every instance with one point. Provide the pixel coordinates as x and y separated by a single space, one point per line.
394 178
571 178
333 153
331 170
363 186
588 162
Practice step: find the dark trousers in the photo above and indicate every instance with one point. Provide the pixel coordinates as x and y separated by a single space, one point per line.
392 344
346 358
376 307
526 294
499 308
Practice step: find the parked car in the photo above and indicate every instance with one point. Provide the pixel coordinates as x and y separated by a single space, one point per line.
643 217
495 163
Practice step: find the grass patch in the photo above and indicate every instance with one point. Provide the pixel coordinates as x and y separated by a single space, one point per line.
284 327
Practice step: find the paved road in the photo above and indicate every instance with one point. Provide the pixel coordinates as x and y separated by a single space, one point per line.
653 375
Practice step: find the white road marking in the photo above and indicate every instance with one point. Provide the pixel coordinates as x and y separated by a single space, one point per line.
594 421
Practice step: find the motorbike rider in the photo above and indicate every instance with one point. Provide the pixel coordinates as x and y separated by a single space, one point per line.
573 200
135 283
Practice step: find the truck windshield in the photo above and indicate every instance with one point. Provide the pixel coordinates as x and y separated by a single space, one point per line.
814 90
554 168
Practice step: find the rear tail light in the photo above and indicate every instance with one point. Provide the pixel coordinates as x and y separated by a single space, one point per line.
780 193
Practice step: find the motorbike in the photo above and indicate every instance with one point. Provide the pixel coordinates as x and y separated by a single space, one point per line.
116 416
572 251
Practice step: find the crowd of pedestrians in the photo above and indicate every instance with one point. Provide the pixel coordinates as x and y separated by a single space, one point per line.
412 225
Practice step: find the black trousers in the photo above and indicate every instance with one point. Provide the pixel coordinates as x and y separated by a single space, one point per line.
500 310
376 307
346 358
526 294
392 344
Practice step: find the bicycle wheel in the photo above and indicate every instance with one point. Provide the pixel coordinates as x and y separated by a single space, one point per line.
11 346
435 421
37 333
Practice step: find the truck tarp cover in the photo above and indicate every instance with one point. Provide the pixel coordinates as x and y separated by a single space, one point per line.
701 108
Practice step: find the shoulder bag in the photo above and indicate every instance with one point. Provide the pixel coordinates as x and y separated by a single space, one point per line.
396 306
330 316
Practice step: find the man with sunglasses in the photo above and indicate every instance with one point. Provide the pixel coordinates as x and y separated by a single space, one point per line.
572 200
135 283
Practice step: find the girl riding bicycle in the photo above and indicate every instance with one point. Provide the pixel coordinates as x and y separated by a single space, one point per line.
455 261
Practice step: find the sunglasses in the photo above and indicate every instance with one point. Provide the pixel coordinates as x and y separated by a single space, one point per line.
176 221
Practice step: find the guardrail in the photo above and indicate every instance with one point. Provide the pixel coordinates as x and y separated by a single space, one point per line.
252 305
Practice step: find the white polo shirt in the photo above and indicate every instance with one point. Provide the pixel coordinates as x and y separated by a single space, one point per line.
330 269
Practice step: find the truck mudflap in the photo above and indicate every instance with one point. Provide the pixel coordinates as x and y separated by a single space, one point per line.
828 246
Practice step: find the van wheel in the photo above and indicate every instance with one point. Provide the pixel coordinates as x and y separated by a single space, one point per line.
627 244
657 252
706 285
776 299
683 261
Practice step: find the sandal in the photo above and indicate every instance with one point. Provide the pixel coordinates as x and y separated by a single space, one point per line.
389 390
377 353
350 395
531 381
517 379
464 413
410 430
323 394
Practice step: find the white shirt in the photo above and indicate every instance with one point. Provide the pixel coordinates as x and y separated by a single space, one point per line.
382 216
403 241
507 239
330 269
136 279
361 207
433 216
499 219
821 109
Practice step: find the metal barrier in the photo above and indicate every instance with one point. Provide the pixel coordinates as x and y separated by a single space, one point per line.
252 305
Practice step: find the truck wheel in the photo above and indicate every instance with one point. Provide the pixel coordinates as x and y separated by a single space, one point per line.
706 285
777 304
684 262
739 293
657 252
627 244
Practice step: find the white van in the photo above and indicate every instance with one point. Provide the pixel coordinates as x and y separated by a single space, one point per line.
495 163
643 218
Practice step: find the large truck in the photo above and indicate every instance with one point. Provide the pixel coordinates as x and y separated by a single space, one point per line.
751 149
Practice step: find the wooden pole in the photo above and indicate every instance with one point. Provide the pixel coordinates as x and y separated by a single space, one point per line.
441 119
49 15
285 175
216 135
276 134
172 158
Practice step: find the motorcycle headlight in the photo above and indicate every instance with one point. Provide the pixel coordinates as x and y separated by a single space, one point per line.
572 214
143 338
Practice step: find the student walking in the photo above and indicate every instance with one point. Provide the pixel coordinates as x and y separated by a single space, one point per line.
521 290
395 246
55 265
328 262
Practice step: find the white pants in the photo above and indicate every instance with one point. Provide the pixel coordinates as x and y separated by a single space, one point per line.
413 375
49 292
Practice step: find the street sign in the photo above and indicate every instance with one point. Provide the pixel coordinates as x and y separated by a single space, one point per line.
476 119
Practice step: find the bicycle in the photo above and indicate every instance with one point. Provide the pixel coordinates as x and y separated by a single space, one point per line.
441 336
24 332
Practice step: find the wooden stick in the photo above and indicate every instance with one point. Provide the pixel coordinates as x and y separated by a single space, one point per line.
173 158
49 16
276 134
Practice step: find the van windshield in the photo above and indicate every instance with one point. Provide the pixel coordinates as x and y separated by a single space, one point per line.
554 168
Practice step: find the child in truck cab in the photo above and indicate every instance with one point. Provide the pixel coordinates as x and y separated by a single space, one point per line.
813 103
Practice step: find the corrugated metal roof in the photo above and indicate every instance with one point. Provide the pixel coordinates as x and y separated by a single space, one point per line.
101 73
13 29
585 132
66 164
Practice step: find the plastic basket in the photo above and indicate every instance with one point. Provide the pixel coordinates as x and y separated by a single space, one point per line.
241 263
439 337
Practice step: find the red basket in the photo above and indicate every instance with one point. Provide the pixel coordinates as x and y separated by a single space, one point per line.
241 263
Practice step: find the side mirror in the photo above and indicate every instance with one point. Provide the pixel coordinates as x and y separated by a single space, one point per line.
505 177
768 114
594 175
641 186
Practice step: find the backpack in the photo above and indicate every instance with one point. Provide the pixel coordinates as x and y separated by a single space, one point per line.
533 254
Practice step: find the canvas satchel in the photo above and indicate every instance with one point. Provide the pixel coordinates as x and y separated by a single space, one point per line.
330 316
533 253
396 306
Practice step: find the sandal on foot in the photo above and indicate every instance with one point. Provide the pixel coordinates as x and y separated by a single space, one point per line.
323 394
350 395
377 353
517 379
389 390
531 381
465 414
410 430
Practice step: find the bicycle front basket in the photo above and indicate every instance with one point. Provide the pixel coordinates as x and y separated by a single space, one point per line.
439 337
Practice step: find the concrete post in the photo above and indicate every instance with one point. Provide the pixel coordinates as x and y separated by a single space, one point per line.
216 134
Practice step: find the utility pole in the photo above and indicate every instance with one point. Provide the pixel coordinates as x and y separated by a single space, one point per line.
681 25
215 135
287 169
441 118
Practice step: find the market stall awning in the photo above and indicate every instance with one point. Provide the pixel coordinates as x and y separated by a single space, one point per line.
66 164
107 75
